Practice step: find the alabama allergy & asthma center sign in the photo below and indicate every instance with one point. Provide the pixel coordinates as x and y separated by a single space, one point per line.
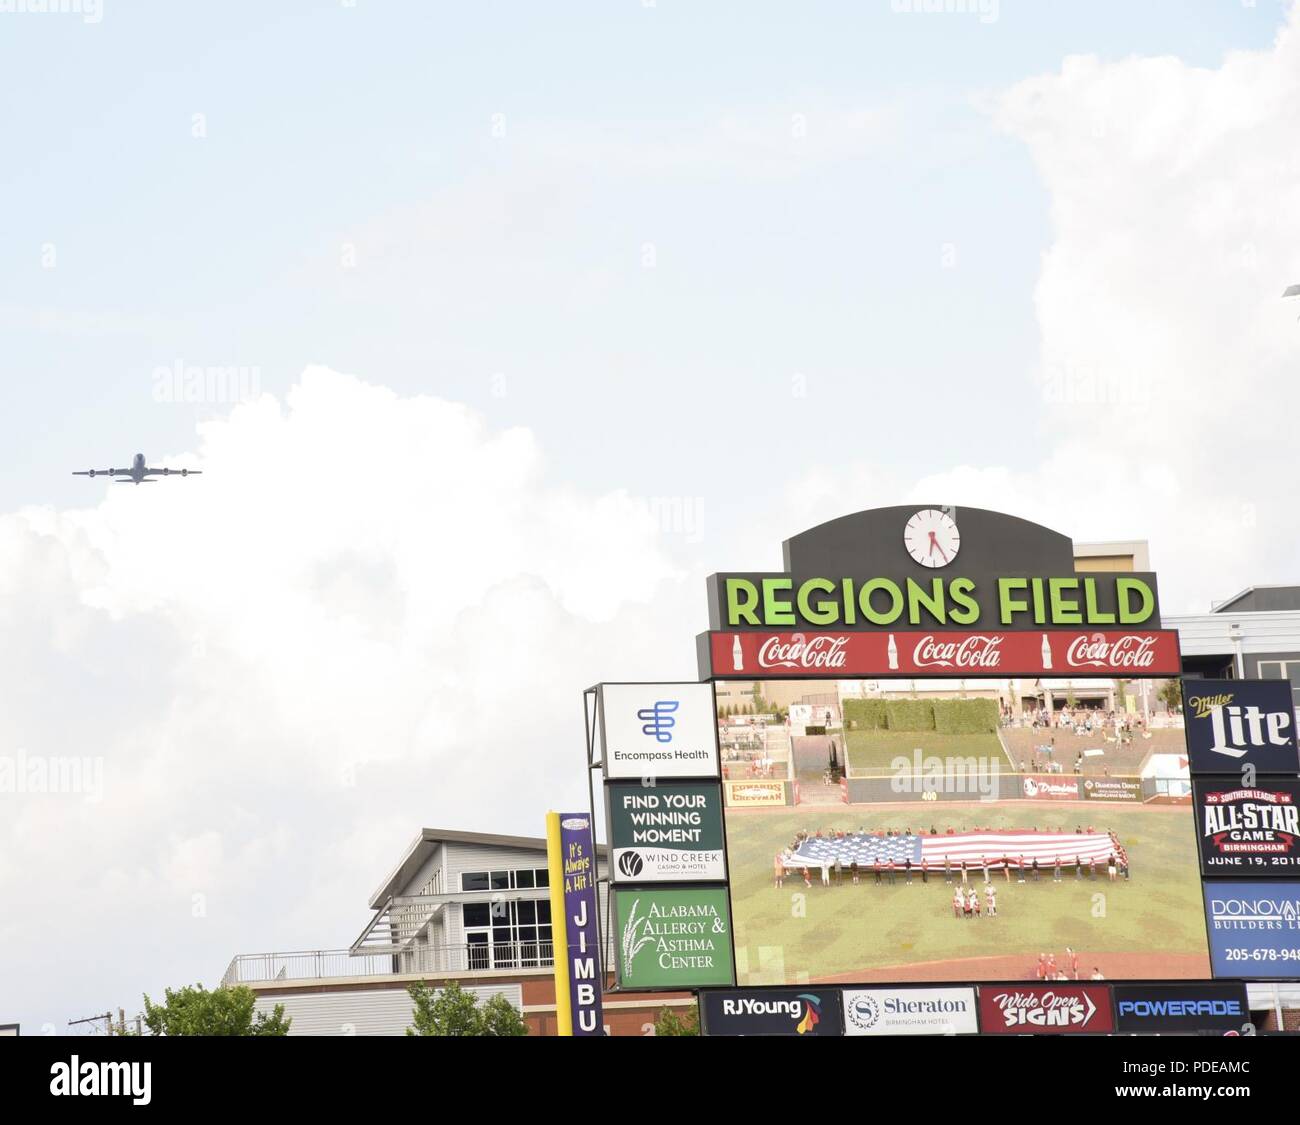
679 938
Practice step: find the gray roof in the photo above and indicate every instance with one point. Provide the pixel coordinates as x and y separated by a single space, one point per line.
424 845
1276 598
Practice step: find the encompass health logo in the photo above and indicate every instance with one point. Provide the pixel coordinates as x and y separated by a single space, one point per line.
658 720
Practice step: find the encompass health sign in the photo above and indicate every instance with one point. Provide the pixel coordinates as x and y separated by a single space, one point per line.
658 730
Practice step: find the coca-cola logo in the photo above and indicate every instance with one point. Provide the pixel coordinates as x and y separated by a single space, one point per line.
801 652
1132 650
978 650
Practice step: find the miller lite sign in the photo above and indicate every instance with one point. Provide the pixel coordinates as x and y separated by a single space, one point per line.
1234 724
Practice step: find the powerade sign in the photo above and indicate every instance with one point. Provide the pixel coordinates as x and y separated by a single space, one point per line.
1236 724
1249 829
1254 929
910 1011
659 730
774 1011
666 832
1181 1007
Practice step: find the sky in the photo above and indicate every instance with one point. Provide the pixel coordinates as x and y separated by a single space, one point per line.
496 328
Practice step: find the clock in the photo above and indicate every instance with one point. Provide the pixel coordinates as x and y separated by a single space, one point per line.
931 537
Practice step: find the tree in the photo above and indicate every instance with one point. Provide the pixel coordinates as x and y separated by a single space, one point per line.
223 1011
500 1017
453 1011
669 1022
1171 694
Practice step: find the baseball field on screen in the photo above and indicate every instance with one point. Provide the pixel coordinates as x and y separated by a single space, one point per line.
1149 926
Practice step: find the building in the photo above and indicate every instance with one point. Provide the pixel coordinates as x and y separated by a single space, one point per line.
470 907
1127 555
1254 635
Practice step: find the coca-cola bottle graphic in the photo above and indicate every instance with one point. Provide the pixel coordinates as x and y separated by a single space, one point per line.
1047 653
892 652
737 657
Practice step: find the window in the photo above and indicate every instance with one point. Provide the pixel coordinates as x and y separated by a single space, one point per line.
524 879
1280 670
507 933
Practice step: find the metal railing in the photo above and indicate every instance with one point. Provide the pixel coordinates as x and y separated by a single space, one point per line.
315 964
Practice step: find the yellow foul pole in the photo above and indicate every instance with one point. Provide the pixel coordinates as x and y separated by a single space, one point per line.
559 932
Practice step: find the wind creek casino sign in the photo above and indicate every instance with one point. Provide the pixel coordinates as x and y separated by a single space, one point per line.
931 591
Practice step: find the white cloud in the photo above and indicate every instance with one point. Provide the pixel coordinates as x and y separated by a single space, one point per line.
371 613
1167 386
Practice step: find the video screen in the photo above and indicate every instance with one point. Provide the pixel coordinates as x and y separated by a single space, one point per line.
913 830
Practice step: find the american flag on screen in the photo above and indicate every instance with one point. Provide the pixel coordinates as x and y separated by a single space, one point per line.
971 847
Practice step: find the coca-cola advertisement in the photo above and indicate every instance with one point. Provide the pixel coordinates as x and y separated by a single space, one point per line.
1084 654
1057 1009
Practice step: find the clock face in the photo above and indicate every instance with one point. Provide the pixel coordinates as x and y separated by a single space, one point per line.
931 537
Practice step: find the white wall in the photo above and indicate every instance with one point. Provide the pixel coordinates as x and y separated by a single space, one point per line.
374 1011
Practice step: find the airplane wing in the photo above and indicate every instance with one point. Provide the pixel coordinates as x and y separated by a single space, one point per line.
100 472
1292 291
173 472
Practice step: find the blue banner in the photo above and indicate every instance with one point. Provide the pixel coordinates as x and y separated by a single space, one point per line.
581 942
1232 724
1254 929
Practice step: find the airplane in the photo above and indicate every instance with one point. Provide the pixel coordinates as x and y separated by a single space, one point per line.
137 473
